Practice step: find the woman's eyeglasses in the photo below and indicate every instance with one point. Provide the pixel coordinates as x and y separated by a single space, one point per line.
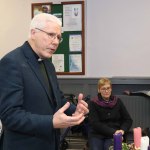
106 89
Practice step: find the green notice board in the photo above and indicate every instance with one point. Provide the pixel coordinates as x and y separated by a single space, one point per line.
69 59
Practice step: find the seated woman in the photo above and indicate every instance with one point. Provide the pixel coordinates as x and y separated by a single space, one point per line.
107 116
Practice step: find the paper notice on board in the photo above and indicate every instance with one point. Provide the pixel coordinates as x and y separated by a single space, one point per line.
58 61
75 64
72 17
75 42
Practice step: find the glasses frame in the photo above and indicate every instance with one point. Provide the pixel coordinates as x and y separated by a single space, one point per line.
51 35
106 89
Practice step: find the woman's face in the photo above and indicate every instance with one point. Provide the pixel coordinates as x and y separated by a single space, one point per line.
105 91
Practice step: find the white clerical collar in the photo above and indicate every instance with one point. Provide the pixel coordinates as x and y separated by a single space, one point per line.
40 59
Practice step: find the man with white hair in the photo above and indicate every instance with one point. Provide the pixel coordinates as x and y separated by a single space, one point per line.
32 107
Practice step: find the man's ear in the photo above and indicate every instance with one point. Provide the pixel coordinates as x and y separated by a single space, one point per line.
32 32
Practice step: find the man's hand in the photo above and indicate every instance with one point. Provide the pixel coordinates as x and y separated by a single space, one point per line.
82 106
61 120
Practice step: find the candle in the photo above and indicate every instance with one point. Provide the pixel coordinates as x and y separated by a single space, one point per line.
144 142
137 137
117 141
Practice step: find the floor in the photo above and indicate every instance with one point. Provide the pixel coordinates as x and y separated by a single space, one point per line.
74 142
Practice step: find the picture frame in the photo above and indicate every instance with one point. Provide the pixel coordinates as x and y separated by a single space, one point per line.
69 59
40 8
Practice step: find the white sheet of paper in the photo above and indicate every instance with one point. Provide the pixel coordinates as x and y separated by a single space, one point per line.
72 17
75 64
75 43
58 61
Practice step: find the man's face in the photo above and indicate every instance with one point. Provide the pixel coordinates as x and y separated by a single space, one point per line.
46 40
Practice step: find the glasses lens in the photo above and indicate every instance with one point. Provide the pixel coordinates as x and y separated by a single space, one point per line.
106 89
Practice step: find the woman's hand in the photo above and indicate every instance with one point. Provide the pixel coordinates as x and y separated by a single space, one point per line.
119 131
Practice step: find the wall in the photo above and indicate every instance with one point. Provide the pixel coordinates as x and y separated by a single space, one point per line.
88 86
15 19
118 38
14 24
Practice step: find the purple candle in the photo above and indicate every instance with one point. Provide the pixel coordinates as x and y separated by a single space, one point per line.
148 147
117 141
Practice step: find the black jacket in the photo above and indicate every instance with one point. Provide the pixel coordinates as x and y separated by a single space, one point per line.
105 121
26 107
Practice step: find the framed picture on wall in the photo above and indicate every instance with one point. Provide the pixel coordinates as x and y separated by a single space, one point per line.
69 59
40 8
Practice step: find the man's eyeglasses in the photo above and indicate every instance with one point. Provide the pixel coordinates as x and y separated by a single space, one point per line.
52 36
106 89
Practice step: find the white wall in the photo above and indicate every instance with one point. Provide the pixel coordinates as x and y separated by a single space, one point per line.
14 24
118 38
117 34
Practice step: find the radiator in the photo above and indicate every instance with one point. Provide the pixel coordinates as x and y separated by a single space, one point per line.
139 109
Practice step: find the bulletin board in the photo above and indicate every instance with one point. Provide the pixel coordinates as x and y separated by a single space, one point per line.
69 59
